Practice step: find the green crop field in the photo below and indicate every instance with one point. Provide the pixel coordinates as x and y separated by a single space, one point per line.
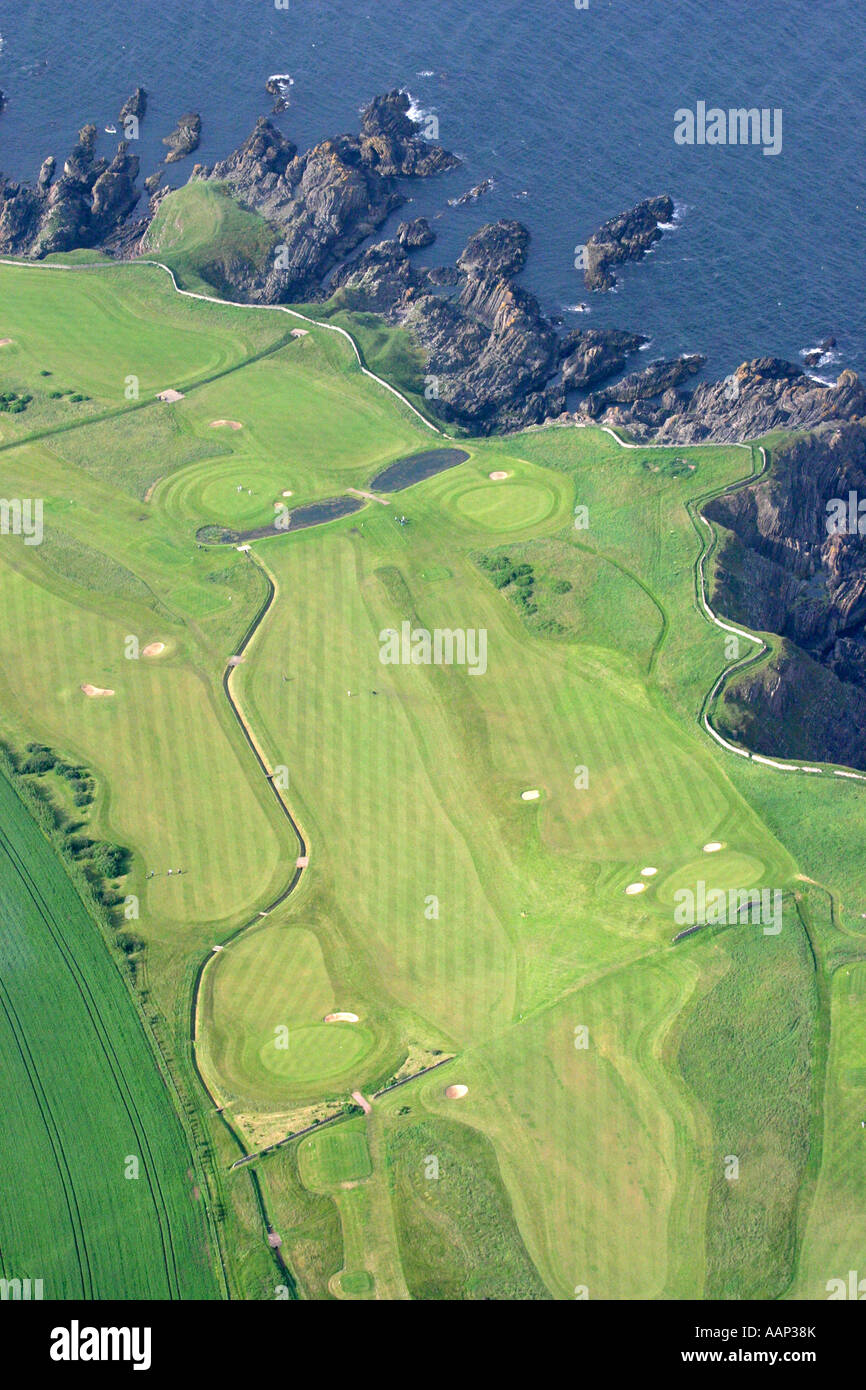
486 852
107 1201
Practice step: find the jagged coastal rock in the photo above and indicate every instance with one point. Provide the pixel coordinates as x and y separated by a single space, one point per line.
325 202
624 238
762 395
472 194
656 379
782 568
83 207
184 138
136 105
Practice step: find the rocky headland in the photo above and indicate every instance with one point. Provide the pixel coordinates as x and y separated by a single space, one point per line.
782 568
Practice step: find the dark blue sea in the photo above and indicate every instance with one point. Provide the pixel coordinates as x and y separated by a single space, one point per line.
570 112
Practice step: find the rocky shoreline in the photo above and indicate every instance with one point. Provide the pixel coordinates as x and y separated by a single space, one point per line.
494 363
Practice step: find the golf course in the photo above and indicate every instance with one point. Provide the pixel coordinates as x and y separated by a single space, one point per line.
385 989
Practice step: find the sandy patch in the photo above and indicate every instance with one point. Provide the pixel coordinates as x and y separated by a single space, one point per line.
648 873
96 692
498 476
363 1102
530 796
342 1018
300 332
456 1092
288 493
635 888
369 496
153 649
4 342
713 847
170 396
229 424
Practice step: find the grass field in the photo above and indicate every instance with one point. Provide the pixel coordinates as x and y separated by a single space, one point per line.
609 1070
108 1203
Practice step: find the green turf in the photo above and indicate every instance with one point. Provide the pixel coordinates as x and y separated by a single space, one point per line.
449 913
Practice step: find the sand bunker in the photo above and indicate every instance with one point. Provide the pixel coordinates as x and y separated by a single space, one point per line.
497 476
300 332
228 424
456 1092
635 888
288 493
648 873
170 395
4 342
153 649
342 1018
530 796
713 847
96 692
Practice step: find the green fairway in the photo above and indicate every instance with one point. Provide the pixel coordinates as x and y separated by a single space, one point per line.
465 836
337 1155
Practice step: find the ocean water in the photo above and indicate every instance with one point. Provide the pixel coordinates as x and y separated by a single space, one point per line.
570 112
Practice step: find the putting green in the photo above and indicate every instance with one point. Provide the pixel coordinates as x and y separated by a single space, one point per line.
315 1053
264 1005
727 869
218 500
511 505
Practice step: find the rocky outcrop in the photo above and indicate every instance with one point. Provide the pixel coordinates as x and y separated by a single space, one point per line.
815 356
624 238
659 377
782 568
763 395
325 202
472 194
591 355
83 207
490 352
415 234
184 138
135 105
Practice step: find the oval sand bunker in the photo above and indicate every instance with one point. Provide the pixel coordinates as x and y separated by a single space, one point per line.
497 476
713 847
530 796
456 1092
153 649
342 1018
222 424
96 692
648 873
635 888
